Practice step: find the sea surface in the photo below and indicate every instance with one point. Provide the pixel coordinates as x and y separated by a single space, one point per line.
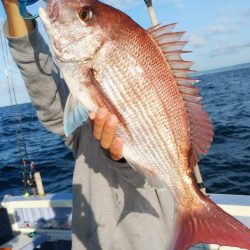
226 169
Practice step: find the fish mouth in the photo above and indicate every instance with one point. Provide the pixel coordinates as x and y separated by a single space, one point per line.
52 9
60 51
46 21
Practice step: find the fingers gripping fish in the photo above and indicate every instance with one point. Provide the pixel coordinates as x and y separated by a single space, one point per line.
139 75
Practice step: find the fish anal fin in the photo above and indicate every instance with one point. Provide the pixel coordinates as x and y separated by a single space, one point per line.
211 225
172 48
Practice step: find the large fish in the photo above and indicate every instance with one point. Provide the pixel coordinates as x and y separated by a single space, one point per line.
139 75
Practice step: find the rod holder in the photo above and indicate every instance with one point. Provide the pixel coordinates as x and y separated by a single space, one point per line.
39 184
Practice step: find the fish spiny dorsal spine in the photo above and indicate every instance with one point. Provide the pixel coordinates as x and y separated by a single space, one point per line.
200 127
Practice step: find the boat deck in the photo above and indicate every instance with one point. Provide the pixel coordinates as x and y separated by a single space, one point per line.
47 220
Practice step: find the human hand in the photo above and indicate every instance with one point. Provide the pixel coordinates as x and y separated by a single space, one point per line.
10 6
18 27
8 1
104 129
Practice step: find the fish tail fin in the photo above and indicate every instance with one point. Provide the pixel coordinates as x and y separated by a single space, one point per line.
212 225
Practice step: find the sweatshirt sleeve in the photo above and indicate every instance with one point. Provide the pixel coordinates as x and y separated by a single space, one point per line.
47 90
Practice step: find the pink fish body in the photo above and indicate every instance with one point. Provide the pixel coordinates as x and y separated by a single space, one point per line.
109 60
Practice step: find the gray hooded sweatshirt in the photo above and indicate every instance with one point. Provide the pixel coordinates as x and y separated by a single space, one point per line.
114 208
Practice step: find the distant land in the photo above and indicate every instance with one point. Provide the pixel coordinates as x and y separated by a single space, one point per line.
224 69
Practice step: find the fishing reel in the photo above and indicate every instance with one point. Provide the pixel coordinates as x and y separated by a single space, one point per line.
23 11
28 178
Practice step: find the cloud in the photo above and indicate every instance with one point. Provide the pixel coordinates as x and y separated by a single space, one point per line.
229 20
177 3
244 19
242 15
246 12
225 49
230 12
197 41
219 28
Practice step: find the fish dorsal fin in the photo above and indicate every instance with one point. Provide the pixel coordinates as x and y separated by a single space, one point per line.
200 127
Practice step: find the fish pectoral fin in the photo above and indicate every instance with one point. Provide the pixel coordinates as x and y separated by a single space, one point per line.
75 114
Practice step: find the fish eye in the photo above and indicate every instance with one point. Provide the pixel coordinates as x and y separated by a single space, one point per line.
86 13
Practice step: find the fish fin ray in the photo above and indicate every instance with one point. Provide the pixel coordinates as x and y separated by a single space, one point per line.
172 48
169 37
182 72
75 114
211 225
174 55
201 141
153 28
180 64
158 29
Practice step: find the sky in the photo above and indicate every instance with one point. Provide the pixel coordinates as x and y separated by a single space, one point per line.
217 30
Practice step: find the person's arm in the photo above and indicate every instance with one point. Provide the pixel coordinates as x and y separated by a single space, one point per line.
48 92
46 89
18 27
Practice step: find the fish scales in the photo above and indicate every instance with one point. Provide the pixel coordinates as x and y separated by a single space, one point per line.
122 59
132 97
109 60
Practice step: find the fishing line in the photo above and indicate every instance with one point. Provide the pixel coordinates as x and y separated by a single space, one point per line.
27 176
5 63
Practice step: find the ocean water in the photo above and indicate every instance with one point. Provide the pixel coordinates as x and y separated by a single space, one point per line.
226 169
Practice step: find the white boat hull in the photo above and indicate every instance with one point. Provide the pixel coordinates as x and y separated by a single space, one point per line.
50 218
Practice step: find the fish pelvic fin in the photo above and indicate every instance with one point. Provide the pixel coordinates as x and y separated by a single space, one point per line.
211 225
75 114
200 127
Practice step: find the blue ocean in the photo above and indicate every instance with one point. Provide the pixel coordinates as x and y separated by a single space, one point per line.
226 169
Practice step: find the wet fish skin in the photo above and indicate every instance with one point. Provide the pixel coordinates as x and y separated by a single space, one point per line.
111 61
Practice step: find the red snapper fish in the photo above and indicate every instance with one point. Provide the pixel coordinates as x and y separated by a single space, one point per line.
139 75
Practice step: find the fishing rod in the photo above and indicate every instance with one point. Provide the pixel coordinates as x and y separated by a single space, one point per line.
151 12
196 170
27 174
30 178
